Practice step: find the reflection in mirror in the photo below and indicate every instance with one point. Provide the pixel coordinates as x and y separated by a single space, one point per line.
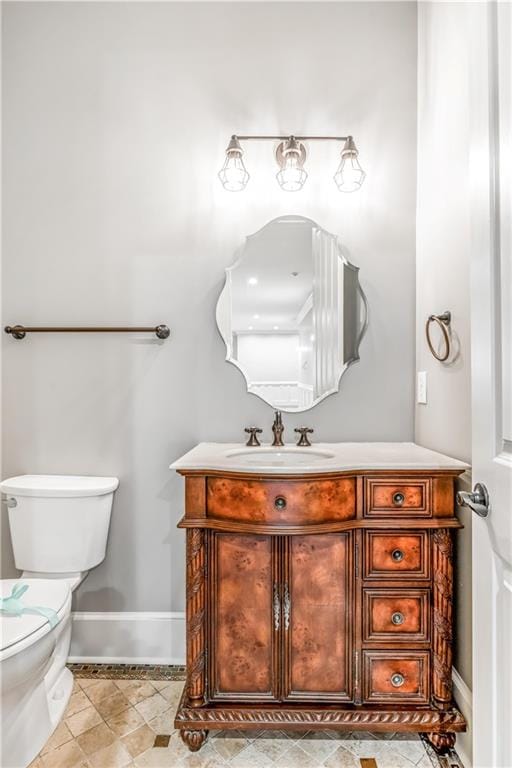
292 313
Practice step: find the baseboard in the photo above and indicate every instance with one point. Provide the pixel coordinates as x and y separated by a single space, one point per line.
128 638
464 698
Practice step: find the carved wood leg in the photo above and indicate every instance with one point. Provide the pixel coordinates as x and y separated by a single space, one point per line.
442 624
193 739
442 742
196 633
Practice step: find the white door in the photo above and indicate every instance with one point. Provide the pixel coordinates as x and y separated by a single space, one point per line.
491 321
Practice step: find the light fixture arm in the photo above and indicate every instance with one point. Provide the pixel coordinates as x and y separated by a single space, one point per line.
286 137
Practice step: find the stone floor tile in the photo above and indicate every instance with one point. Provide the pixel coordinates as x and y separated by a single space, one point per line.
424 762
250 758
68 755
139 741
126 721
339 735
318 745
37 763
152 707
112 705
101 690
157 758
86 682
136 690
76 703
83 720
296 757
114 756
365 747
96 738
162 723
159 684
172 692
228 744
342 758
60 736
272 744
388 757
412 750
205 758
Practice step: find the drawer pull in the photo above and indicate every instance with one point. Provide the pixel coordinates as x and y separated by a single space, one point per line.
398 499
397 680
397 555
280 502
397 618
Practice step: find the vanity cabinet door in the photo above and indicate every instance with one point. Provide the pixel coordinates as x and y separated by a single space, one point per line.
244 631
318 618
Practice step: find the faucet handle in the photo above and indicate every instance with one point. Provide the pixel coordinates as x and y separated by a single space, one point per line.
253 432
304 431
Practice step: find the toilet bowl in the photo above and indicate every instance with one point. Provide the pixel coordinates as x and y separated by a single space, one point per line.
34 681
59 527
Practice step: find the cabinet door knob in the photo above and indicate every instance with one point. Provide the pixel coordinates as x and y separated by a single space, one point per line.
397 555
397 680
397 618
398 499
280 502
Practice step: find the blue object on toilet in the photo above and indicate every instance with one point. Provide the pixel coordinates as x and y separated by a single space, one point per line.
12 605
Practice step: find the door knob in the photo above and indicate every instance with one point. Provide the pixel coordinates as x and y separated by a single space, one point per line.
478 501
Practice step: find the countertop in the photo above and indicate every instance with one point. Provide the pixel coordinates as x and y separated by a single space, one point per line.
346 457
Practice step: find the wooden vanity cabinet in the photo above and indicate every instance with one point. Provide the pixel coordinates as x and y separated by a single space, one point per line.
319 602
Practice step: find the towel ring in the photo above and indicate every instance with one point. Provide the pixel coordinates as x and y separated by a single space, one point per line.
443 321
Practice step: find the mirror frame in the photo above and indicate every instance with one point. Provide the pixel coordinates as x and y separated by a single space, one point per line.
237 261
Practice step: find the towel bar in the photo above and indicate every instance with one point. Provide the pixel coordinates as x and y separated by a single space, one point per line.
20 331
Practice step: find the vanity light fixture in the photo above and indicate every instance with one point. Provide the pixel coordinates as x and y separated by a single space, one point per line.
349 175
291 156
233 174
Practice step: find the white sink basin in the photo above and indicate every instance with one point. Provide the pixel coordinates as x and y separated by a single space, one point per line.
278 457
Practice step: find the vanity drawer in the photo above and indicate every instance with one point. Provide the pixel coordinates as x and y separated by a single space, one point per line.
292 502
394 677
395 497
396 555
396 615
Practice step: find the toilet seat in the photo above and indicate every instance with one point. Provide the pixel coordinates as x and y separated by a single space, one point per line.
18 632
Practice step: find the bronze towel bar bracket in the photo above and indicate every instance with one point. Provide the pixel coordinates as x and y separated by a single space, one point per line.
20 331
443 321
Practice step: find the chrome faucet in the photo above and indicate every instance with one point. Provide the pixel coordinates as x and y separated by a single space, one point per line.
278 429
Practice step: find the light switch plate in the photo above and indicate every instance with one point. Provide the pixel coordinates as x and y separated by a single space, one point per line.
421 392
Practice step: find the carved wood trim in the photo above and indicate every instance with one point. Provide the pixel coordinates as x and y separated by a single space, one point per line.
299 530
421 720
196 616
442 568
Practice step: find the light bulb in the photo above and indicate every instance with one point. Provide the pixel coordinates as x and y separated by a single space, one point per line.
291 155
350 175
233 174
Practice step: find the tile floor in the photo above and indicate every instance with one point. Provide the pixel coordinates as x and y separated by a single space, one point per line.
113 723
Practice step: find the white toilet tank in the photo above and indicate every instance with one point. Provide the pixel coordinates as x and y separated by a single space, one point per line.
59 523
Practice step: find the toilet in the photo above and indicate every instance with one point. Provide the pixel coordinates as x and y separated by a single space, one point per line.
59 527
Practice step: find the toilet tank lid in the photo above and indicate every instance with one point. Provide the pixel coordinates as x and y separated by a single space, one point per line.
45 593
58 485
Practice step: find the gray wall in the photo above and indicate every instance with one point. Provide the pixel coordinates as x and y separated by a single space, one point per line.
116 116
443 268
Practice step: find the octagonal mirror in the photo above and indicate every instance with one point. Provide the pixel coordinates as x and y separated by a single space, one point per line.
292 313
